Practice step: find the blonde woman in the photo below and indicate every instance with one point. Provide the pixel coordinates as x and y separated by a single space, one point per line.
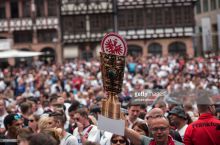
45 122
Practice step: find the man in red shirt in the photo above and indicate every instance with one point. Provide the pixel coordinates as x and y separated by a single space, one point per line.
206 130
77 81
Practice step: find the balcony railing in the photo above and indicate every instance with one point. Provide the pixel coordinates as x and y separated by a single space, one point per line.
28 24
45 23
20 24
3 25
148 33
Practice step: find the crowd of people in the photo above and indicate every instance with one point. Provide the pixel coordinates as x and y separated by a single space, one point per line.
59 104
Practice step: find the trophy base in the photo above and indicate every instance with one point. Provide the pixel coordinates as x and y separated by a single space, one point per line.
111 107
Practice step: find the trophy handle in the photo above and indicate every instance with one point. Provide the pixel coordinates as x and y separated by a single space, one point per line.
111 106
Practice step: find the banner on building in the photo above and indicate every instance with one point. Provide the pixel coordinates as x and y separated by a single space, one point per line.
70 52
5 44
206 34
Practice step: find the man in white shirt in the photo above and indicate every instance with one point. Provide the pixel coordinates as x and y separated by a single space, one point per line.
85 131
133 113
59 119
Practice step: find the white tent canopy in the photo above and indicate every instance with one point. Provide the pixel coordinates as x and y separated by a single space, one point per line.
17 53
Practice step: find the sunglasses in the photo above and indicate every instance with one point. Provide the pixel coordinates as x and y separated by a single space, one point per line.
119 140
31 120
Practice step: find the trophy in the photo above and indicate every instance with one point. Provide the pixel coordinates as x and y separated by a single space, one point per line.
114 51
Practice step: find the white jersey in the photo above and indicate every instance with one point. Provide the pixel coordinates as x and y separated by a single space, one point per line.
69 139
92 132
106 138
182 131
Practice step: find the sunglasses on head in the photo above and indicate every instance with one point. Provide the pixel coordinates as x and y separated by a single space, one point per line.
17 116
118 140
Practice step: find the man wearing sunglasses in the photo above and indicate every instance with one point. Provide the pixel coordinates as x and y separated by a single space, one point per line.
206 130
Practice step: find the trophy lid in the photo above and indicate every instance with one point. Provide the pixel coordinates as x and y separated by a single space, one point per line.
113 43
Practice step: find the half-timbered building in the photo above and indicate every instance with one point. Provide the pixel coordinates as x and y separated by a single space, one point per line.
158 27
32 25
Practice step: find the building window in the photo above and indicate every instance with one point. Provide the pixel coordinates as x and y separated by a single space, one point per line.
135 51
150 18
74 24
52 8
178 16
108 22
26 8
68 21
139 15
213 4
159 17
95 21
122 20
39 7
177 48
188 16
47 35
26 36
131 19
14 8
49 55
205 5
101 22
168 16
2 9
155 49
198 7
79 24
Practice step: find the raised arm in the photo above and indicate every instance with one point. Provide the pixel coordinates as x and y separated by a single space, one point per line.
133 136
